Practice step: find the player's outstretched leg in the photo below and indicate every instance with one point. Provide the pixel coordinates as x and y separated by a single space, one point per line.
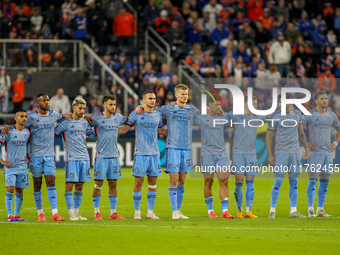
96 197
293 196
238 193
78 196
208 181
322 193
9 203
151 197
137 197
275 194
37 181
180 194
250 193
313 180
113 200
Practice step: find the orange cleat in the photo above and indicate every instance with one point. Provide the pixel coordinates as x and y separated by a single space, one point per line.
250 215
41 217
240 214
227 215
115 216
98 216
56 217
212 215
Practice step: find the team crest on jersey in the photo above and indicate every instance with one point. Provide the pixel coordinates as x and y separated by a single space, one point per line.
8 180
51 118
116 121
136 170
156 119
169 165
329 119
84 125
71 175
188 112
26 136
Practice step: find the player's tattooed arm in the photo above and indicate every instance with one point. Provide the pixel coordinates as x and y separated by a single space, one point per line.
6 163
302 140
123 129
334 144
89 119
5 130
269 139
162 131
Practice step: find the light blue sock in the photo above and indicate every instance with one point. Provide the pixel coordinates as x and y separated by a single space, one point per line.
19 197
173 198
38 200
322 191
96 200
180 196
9 203
293 191
225 204
311 190
52 197
137 198
275 191
78 196
151 199
250 192
209 203
113 201
69 200
238 193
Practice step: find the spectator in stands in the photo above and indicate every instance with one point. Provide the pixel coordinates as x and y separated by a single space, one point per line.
57 50
18 89
292 33
238 74
60 102
33 105
261 81
156 64
95 16
124 27
274 77
247 34
68 9
176 15
282 10
213 8
263 36
15 51
150 13
304 56
241 51
123 63
159 91
298 42
306 26
167 5
148 74
331 37
254 9
238 22
5 85
208 25
79 24
185 11
193 35
281 24
254 64
165 76
266 20
318 36
38 20
280 54
295 10
196 8
173 84
337 21
111 64
292 83
337 63
318 20
219 33
20 19
163 22
326 81
207 68
93 107
175 36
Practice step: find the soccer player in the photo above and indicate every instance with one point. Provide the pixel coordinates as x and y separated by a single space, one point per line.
146 156
178 151
244 155
107 165
16 154
77 165
288 132
214 157
320 166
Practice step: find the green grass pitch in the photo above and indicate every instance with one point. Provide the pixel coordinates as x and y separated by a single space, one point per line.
198 235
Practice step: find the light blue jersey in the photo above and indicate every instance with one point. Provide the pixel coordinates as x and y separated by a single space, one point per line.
212 136
106 134
319 128
42 132
245 127
146 129
179 125
16 143
74 138
286 131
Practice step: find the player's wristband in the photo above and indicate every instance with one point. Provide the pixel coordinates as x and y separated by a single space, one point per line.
336 144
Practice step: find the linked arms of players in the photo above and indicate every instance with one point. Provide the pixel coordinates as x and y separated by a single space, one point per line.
123 129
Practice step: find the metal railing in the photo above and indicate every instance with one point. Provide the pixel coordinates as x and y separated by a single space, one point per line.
149 32
93 63
186 70
41 54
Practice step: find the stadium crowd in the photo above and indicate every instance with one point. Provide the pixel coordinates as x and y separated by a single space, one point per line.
257 43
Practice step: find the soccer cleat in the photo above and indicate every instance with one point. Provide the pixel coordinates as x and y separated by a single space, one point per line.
271 215
115 216
240 214
175 215
56 217
227 215
41 217
81 217
181 216
10 218
322 213
250 215
17 218
152 216
311 214
97 216
73 217
212 215
296 214
137 217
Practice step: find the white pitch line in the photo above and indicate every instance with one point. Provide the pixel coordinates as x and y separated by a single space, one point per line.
173 227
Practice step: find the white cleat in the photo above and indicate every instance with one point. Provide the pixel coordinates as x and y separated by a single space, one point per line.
152 216
73 217
175 215
80 217
181 216
271 215
137 217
